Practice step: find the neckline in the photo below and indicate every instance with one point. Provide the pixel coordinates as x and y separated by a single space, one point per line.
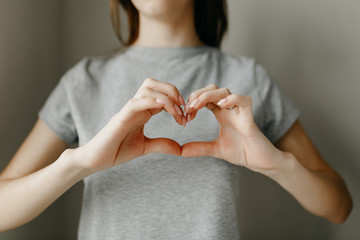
167 53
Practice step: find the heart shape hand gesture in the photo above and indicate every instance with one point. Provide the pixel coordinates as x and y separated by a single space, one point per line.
239 142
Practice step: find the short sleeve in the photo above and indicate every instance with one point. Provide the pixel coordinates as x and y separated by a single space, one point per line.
56 113
278 112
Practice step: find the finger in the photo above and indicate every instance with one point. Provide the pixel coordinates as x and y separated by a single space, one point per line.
197 93
241 105
191 116
169 106
174 110
212 96
155 111
162 145
134 106
165 88
235 100
198 149
213 107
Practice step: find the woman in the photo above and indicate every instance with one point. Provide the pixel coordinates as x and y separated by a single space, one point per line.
189 188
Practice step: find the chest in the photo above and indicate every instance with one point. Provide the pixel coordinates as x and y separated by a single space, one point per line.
110 93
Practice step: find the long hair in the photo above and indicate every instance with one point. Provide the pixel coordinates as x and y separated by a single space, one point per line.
210 18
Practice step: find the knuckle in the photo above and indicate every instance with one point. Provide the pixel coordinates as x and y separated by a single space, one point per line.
148 80
205 95
141 91
173 89
213 86
192 96
145 90
165 97
225 90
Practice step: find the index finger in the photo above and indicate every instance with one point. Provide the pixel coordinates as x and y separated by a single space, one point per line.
165 88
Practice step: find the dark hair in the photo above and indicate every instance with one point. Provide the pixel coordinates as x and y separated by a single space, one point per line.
210 18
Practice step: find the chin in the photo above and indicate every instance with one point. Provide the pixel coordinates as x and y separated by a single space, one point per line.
161 8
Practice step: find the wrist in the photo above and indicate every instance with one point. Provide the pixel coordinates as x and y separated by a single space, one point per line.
286 165
70 162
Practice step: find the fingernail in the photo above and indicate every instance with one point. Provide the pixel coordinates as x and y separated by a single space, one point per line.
178 109
186 108
196 100
183 121
181 99
158 100
188 118
222 101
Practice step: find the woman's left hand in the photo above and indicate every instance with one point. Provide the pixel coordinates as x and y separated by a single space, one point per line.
240 141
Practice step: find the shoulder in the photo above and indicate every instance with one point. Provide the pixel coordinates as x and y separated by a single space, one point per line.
92 68
244 65
244 70
229 60
238 59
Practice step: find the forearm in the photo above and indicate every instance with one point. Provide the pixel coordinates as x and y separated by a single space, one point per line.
322 193
25 198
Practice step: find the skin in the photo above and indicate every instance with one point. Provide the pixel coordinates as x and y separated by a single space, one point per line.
44 165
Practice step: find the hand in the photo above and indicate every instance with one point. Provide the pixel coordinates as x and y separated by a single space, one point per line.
123 139
240 141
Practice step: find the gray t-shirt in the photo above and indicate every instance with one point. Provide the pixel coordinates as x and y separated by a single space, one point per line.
160 196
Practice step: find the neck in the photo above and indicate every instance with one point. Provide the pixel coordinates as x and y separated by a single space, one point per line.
157 32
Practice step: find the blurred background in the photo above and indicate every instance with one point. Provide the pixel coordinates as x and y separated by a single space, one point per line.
310 47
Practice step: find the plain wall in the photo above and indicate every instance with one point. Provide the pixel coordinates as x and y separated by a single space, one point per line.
39 41
29 68
311 48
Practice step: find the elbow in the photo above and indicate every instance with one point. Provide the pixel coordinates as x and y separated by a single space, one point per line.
3 227
343 212
6 226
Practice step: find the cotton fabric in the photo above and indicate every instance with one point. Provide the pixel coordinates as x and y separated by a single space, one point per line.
161 196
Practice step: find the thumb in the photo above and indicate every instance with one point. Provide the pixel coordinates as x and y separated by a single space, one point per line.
162 145
198 149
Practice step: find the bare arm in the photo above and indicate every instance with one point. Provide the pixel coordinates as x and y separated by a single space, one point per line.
42 169
310 179
34 179
294 164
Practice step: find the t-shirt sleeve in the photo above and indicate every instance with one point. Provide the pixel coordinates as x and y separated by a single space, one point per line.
278 112
56 113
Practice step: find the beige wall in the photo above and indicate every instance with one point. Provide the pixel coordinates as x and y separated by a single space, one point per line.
39 41
311 48
29 68
87 30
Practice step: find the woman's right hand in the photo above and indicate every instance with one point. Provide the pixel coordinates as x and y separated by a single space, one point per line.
123 139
